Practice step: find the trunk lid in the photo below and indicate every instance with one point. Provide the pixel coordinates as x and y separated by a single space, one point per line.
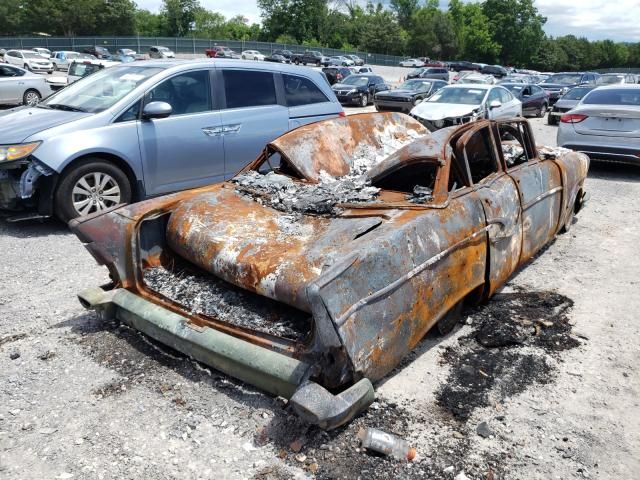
609 120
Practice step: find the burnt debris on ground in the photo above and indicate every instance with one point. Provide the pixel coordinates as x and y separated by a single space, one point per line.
515 342
286 195
201 293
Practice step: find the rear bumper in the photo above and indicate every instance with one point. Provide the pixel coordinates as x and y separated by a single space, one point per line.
266 369
607 153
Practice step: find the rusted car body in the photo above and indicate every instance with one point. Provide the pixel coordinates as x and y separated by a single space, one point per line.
318 267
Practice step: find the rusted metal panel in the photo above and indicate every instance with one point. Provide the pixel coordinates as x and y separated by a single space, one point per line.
370 274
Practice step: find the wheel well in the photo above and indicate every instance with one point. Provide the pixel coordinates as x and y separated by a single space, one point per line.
32 90
117 161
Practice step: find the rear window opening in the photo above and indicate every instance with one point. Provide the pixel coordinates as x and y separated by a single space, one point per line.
415 179
204 295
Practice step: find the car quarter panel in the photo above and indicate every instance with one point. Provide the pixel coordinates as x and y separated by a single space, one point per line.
574 167
387 297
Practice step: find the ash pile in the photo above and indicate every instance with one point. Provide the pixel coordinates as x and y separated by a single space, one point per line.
213 297
286 195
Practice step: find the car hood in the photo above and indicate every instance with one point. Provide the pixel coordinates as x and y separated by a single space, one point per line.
397 93
18 124
438 111
344 86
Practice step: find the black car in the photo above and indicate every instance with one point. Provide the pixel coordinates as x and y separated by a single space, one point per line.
560 83
359 89
285 53
407 95
461 65
98 52
535 100
336 74
277 58
495 70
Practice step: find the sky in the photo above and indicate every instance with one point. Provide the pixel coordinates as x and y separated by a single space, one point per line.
617 20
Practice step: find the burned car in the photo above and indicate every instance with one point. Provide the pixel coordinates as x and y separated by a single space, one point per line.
318 267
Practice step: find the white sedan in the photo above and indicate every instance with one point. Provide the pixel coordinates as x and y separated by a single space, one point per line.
19 86
412 62
252 55
29 60
460 103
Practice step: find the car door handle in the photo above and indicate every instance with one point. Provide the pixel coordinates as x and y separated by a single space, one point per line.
212 131
231 128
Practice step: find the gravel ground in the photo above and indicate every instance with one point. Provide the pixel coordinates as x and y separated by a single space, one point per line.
86 399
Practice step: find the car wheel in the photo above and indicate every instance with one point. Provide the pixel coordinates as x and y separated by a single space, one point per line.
317 64
31 98
27 67
543 111
296 61
450 319
243 57
364 100
90 187
551 120
55 67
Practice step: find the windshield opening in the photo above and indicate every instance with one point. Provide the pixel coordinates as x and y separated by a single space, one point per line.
461 96
415 86
613 97
564 78
356 81
103 89
610 79
576 93
514 88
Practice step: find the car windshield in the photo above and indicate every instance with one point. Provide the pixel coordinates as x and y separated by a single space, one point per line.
163 49
564 78
357 81
610 79
100 91
576 93
514 88
30 55
73 55
464 96
620 96
415 86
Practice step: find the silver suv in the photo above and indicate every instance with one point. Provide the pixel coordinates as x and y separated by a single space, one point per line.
142 129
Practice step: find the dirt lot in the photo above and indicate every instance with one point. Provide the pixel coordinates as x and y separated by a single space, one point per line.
539 384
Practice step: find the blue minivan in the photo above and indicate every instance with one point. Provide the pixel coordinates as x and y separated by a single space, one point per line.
134 131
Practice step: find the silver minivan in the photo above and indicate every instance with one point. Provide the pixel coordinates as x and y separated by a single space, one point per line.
143 129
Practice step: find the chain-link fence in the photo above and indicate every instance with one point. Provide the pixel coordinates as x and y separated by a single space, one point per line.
184 45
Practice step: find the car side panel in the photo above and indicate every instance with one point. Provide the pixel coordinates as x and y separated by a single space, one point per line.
574 167
404 276
540 186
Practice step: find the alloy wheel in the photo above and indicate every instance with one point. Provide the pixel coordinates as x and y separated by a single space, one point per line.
94 192
31 99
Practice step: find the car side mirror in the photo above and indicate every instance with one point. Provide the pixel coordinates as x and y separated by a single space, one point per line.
156 110
495 104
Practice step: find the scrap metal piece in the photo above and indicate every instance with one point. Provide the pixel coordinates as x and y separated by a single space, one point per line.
314 404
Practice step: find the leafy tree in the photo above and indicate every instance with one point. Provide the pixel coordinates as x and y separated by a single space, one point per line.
149 24
12 22
380 33
517 27
209 24
551 57
115 17
404 10
180 15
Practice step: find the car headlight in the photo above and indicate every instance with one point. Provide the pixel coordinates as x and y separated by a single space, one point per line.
352 91
9 153
564 90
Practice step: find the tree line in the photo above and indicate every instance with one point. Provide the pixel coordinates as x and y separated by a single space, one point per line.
509 32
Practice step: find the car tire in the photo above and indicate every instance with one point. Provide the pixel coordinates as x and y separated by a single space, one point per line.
31 98
243 57
69 198
551 120
364 100
27 67
318 64
296 61
55 67
543 111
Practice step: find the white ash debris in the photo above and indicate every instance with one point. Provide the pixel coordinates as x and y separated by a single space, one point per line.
391 139
550 153
511 152
211 296
284 194
420 195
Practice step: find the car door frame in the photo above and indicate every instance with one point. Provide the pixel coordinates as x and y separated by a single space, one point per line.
540 186
500 199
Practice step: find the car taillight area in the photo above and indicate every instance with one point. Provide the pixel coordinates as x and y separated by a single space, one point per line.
573 118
